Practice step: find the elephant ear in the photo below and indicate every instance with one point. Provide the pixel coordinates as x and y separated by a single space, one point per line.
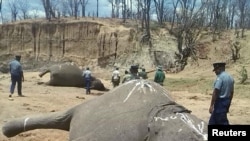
175 123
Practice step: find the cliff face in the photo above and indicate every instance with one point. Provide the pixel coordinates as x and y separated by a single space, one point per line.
82 42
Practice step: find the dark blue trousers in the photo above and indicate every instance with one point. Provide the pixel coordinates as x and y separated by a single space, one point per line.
219 115
16 79
218 119
88 84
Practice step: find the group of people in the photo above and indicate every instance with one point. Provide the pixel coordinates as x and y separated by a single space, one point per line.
223 88
133 73
129 75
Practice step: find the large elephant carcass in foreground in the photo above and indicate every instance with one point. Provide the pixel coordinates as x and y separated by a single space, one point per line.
139 110
68 74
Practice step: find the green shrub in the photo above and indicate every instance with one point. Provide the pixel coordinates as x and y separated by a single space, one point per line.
243 75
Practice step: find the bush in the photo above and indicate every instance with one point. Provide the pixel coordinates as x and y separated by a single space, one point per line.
243 75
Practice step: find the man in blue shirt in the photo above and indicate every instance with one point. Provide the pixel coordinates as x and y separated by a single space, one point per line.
16 73
87 78
222 95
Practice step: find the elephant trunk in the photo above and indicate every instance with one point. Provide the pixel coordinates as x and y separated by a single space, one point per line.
43 73
56 120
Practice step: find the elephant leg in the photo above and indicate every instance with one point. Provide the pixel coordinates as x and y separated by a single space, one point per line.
43 73
56 120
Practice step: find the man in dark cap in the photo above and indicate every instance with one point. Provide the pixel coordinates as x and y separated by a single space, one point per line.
133 74
222 95
16 73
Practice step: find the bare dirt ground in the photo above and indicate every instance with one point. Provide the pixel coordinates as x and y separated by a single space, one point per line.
44 99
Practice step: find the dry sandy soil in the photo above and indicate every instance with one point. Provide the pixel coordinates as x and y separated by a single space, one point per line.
44 99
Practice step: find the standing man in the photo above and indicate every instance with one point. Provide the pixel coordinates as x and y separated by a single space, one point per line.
159 76
16 73
222 95
115 77
87 78
134 72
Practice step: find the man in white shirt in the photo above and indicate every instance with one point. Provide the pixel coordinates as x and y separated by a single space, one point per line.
87 78
115 77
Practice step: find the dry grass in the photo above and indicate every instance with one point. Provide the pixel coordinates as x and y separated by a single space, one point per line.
198 77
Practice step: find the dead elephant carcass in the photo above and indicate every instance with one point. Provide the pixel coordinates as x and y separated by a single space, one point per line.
70 75
139 110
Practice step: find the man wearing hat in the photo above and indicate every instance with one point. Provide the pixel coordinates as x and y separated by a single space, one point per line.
222 95
133 74
16 73
159 76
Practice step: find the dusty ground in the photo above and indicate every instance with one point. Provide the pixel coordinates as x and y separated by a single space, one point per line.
44 99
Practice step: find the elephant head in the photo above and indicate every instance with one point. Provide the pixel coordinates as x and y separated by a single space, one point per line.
137 110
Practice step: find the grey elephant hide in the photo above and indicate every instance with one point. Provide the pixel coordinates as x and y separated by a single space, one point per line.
139 110
70 75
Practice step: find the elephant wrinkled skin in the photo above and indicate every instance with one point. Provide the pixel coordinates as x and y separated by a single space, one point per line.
138 110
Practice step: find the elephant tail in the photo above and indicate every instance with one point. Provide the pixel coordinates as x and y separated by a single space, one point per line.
56 120
44 72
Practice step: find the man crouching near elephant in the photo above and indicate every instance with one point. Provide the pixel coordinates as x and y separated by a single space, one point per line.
87 78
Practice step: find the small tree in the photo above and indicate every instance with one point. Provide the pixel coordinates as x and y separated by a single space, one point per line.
243 75
235 48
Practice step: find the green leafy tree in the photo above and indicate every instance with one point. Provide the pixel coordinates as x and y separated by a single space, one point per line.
243 75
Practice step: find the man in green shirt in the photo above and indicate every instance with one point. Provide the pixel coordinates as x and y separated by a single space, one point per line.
159 76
